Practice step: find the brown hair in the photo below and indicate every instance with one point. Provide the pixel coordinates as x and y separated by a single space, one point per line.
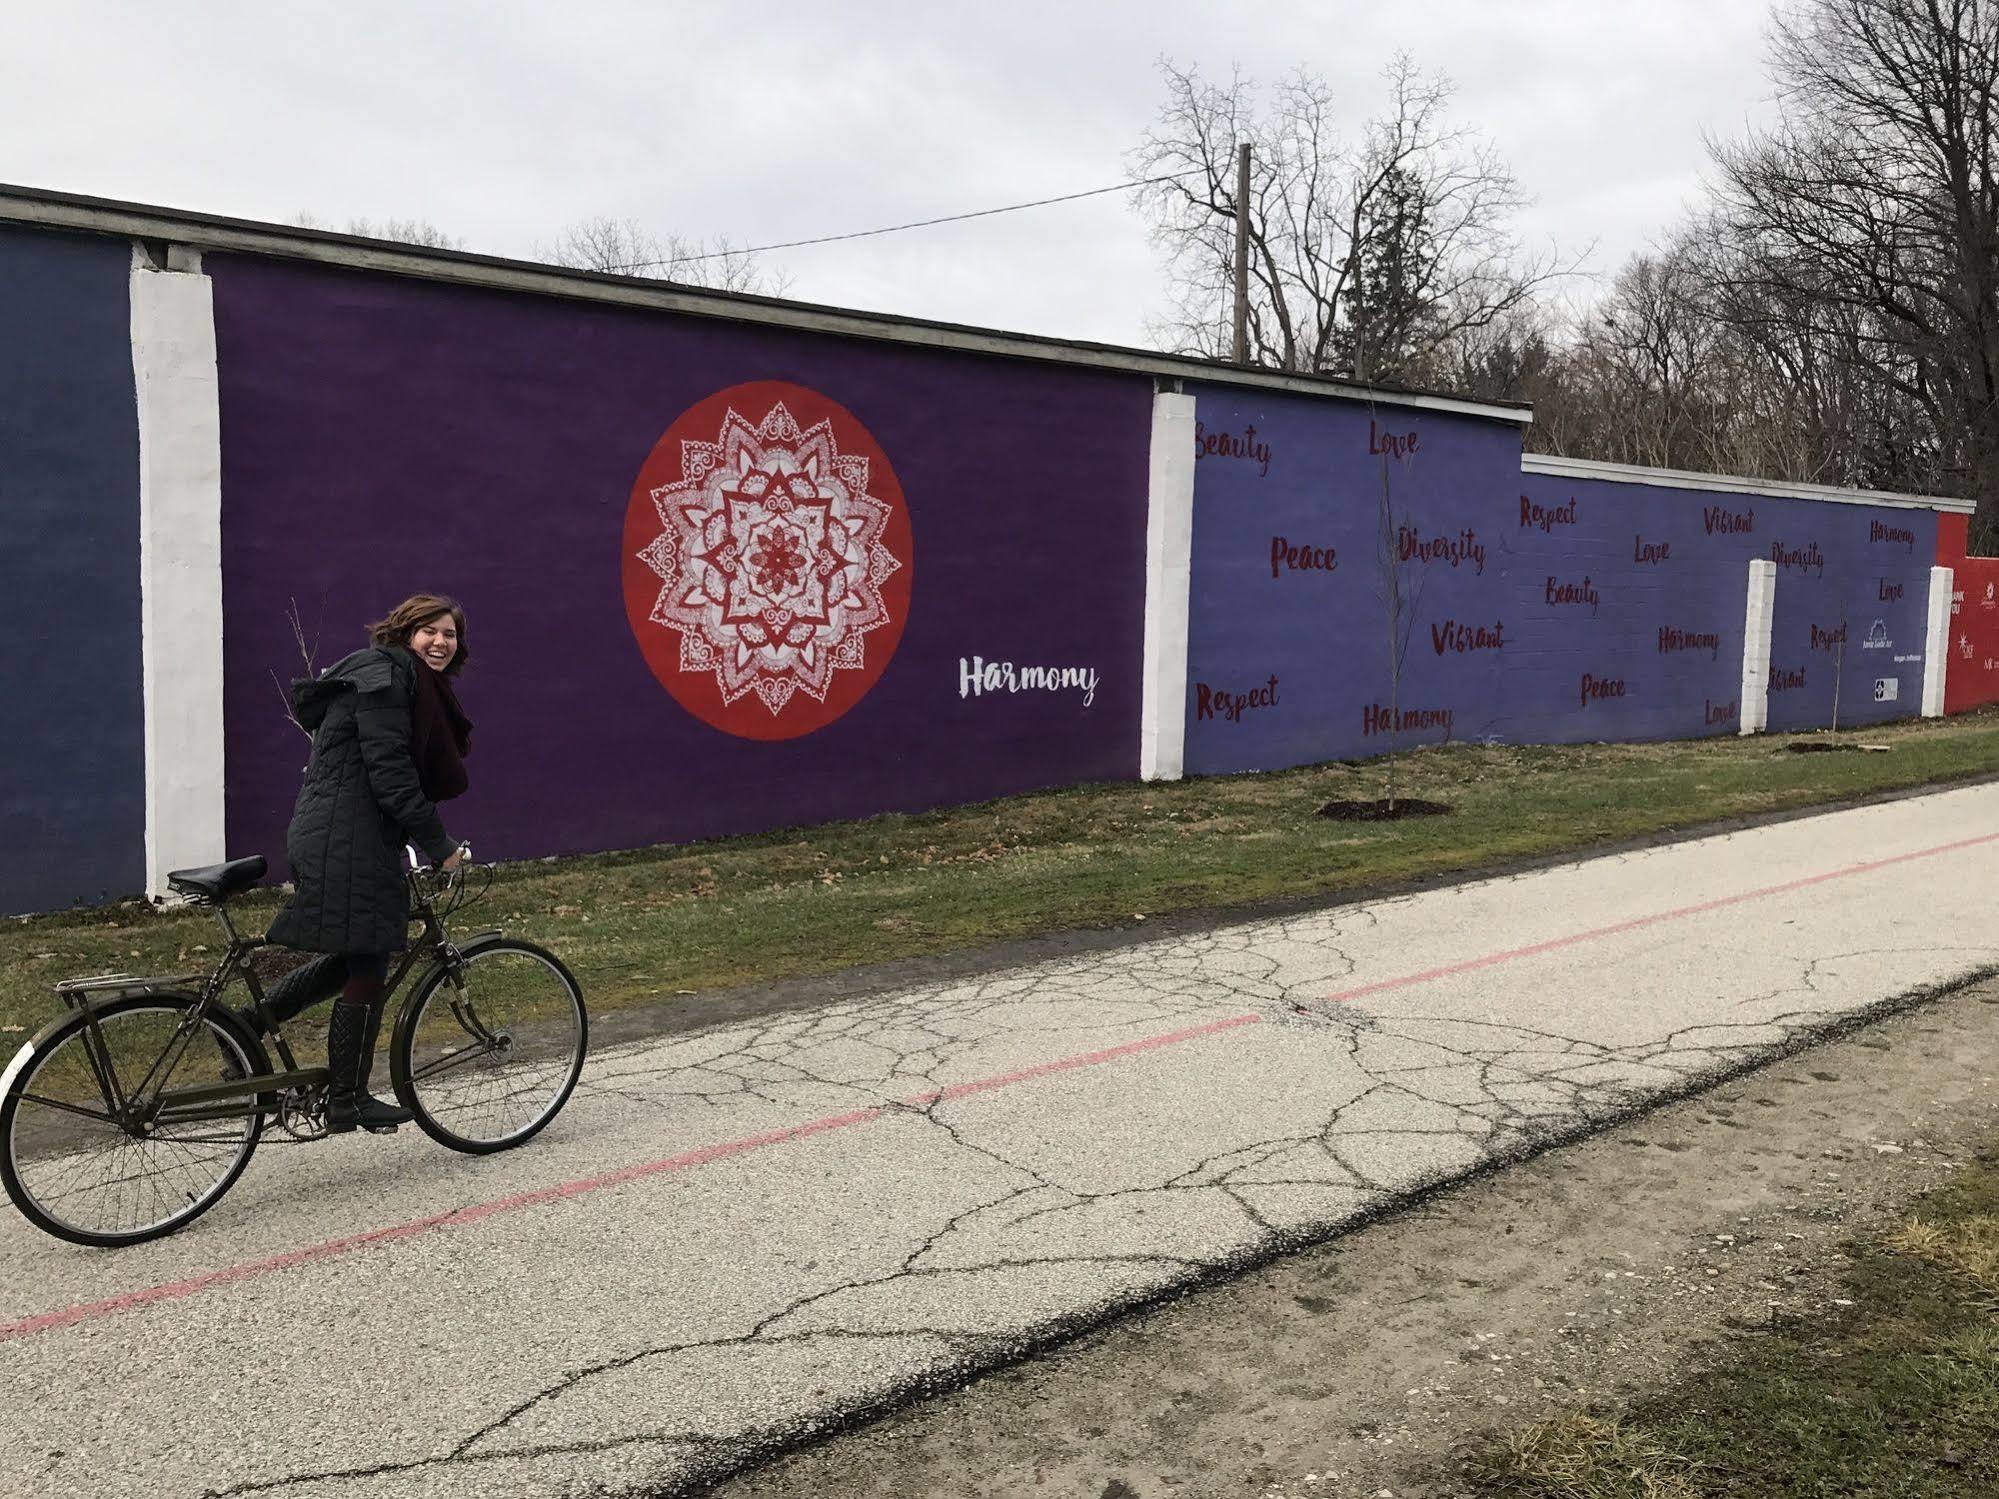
421 609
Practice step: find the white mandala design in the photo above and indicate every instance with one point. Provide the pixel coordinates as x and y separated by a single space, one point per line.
771 560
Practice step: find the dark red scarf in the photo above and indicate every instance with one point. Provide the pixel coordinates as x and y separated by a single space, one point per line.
440 735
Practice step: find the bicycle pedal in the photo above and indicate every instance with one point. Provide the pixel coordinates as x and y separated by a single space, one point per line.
379 1129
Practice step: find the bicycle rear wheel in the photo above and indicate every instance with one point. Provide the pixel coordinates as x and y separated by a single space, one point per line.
486 1059
75 1171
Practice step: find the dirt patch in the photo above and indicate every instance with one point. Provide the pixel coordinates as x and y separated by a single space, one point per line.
1371 1365
1382 810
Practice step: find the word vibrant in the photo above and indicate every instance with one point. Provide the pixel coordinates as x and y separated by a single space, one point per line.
1301 558
1535 517
1558 592
1452 636
1671 640
1805 559
1397 445
1227 445
1379 718
1784 679
1411 545
1721 521
1212 702
978 676
1593 689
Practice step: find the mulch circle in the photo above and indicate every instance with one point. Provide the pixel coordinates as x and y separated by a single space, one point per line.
1813 747
1344 810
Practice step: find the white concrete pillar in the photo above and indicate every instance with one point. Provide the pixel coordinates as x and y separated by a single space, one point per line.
1936 641
180 562
1169 543
1761 613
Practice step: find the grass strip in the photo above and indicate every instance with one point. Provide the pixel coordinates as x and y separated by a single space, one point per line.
681 919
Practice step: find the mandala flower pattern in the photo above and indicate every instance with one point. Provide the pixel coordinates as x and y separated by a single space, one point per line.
773 557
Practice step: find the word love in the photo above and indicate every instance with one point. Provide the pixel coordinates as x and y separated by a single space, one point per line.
1380 718
1721 521
1413 546
1805 559
1650 553
1893 535
1888 592
1283 555
1227 445
977 676
1558 592
1828 640
1397 445
1594 689
1452 636
1535 517
1212 702
1715 712
1671 640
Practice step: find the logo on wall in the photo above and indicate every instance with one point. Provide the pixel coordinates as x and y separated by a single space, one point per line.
767 560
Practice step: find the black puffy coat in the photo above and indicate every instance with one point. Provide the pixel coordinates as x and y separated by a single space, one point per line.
360 804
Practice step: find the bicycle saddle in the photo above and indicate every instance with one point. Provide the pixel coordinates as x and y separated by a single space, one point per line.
217 882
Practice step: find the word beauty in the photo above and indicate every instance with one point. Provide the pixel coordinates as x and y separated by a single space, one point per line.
1283 555
1535 517
978 675
1212 702
1412 546
1227 445
1558 592
1396 445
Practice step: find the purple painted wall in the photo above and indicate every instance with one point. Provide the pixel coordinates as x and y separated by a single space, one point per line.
381 436
1542 610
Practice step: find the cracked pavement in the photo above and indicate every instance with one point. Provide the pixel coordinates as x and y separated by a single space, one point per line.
774 1228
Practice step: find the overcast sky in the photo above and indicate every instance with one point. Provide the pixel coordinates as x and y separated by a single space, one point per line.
770 120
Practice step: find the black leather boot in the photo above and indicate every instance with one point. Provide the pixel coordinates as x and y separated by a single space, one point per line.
350 1057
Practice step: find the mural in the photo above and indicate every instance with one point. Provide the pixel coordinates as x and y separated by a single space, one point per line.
1367 579
1971 677
719 578
767 568
72 718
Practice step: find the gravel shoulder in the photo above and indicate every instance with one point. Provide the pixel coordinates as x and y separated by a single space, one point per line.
1368 1366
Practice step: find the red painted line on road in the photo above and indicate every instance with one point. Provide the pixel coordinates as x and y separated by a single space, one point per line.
1554 944
250 1269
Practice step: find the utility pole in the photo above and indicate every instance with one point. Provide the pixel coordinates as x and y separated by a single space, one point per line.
1242 255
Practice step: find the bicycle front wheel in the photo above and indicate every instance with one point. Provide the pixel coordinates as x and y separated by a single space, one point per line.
78 1170
487 1056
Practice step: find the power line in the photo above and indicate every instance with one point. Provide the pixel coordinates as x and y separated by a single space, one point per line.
955 218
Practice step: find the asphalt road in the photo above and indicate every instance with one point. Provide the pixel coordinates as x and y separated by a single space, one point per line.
735 1237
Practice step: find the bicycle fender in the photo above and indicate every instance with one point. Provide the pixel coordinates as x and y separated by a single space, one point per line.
40 1039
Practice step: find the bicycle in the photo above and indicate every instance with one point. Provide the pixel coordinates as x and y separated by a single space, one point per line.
133 1113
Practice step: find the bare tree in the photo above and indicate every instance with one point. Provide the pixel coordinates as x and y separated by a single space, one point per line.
405 231
624 247
1860 234
1368 255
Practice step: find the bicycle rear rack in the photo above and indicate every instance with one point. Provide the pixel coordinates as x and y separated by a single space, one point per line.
78 992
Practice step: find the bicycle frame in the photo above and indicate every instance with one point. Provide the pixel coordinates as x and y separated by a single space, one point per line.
145 1105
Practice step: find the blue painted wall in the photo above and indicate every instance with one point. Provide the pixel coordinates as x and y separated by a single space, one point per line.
72 789
1537 610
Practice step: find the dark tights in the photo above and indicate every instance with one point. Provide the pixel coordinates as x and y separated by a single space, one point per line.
367 972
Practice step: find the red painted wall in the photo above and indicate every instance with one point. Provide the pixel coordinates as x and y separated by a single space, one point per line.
1972 678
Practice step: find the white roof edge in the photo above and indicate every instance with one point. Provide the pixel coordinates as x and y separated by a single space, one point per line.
1781 489
29 206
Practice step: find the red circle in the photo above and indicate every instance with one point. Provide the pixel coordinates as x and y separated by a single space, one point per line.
767 560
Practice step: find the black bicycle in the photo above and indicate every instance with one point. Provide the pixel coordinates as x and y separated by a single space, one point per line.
130 1115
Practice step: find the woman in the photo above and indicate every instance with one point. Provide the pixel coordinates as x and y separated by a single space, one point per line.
388 744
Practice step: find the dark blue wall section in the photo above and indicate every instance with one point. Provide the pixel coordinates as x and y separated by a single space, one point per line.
72 787
1536 609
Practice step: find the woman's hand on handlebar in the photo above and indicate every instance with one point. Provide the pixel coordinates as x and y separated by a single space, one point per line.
456 861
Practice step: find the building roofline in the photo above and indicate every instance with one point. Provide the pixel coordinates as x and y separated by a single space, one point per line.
54 210
1783 489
